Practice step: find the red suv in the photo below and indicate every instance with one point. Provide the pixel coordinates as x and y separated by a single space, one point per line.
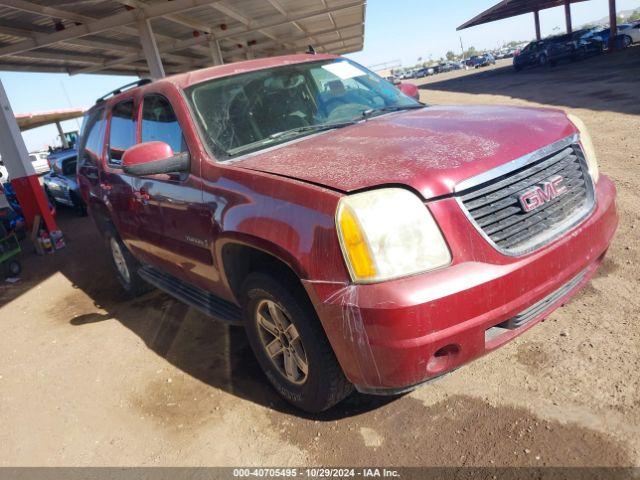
361 238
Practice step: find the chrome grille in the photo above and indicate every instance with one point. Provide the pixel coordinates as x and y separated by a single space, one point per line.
494 205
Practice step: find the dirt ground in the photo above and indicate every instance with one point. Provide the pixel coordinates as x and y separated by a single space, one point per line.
87 378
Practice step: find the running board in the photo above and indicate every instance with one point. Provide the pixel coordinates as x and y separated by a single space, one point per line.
195 297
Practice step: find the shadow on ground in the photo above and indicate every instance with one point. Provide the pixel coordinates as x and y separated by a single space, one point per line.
607 82
214 353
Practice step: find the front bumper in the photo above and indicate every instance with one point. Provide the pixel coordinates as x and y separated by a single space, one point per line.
392 336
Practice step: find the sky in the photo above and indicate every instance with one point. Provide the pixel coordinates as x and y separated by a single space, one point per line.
395 30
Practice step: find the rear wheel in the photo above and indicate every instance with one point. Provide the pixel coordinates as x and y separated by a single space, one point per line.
290 345
126 266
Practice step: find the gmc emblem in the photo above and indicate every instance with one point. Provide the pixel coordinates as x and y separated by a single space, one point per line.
540 194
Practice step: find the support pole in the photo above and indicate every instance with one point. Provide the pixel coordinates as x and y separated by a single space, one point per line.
216 53
567 15
63 139
150 49
536 17
613 23
24 180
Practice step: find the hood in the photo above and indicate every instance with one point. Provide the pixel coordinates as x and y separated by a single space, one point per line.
430 150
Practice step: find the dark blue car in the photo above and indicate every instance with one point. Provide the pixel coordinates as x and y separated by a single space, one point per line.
61 184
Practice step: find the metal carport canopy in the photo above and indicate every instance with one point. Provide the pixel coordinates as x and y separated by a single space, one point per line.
512 8
118 36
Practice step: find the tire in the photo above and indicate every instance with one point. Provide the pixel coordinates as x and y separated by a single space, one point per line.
125 265
323 385
12 268
542 60
626 41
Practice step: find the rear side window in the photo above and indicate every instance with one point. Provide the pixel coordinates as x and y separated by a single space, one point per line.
92 137
122 134
159 123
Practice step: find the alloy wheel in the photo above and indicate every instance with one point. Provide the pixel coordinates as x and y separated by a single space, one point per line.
119 260
281 342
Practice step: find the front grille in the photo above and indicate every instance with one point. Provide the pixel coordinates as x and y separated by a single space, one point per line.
495 208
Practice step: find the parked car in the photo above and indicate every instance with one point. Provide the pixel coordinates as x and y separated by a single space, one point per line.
444 67
40 164
478 61
61 184
586 42
362 239
424 72
545 52
627 34
630 33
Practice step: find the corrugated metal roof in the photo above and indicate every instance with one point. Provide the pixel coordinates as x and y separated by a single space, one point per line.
70 36
512 8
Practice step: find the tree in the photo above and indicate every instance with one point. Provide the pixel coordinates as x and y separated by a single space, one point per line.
450 55
470 52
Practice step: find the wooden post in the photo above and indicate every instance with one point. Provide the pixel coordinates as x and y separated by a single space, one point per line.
536 16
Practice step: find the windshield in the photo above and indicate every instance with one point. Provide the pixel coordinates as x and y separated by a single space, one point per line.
247 112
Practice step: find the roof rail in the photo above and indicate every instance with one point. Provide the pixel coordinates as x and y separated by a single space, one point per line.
124 88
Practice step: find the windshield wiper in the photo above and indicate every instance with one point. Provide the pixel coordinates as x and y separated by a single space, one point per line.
391 108
312 128
275 136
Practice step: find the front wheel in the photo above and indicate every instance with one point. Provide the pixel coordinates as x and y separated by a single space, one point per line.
291 346
542 60
626 41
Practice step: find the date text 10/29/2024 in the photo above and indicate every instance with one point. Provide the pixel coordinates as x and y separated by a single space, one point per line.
316 472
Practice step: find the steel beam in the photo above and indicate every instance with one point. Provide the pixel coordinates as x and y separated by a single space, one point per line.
216 53
613 24
63 139
150 49
23 177
567 15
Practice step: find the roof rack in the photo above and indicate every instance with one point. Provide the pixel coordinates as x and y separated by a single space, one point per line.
124 88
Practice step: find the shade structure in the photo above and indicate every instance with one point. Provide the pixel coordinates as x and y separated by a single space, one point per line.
512 8
106 36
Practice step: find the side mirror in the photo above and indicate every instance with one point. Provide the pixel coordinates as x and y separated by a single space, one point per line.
153 158
410 90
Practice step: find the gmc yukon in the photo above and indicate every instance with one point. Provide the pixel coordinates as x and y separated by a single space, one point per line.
364 240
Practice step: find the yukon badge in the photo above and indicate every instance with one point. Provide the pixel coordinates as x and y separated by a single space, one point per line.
540 194
196 241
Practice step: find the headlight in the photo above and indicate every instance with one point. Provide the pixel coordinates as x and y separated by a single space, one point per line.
587 146
388 233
